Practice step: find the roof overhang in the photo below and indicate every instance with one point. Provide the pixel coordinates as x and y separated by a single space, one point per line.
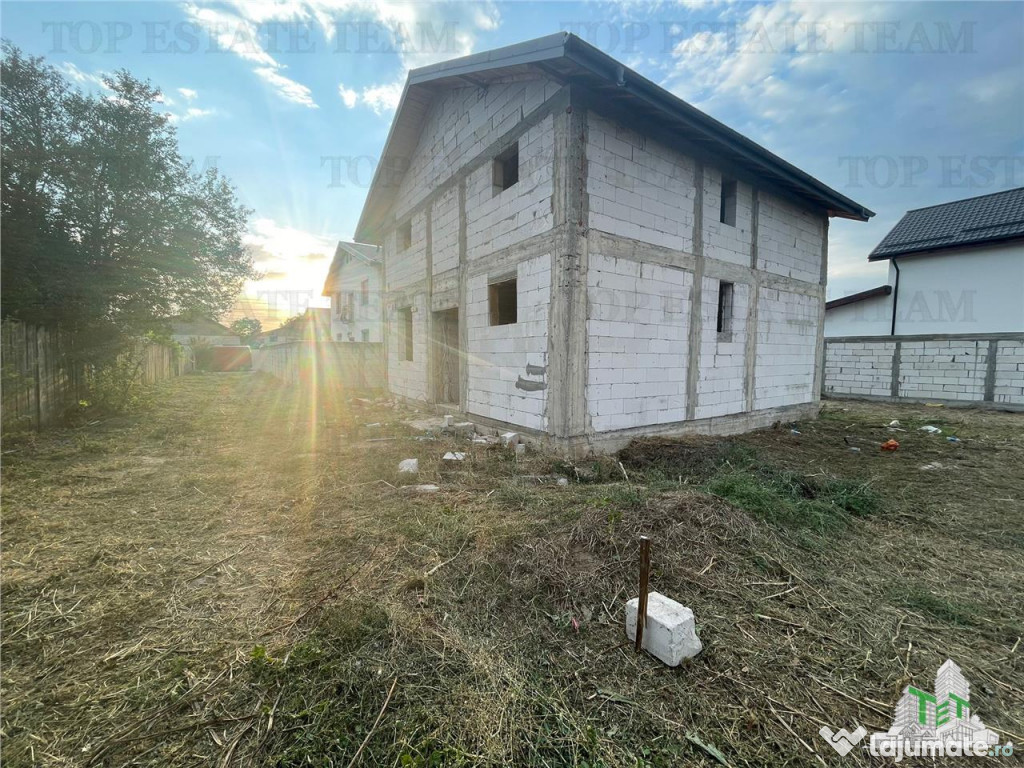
569 59
925 249
853 298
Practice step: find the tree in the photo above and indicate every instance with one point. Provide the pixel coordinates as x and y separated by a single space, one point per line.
246 328
107 231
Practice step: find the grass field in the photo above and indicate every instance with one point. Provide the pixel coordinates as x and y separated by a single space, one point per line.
225 579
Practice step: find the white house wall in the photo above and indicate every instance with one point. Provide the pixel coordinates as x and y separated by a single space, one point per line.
961 291
637 338
499 354
645 259
366 317
638 188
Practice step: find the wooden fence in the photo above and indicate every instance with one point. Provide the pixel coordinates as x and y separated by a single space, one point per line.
42 378
348 365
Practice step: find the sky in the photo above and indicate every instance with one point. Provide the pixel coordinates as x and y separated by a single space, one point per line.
897 105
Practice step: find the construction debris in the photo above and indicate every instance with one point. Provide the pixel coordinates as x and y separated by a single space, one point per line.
454 456
409 466
890 445
510 439
424 488
930 430
670 634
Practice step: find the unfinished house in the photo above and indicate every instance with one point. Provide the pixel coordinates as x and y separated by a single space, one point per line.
572 252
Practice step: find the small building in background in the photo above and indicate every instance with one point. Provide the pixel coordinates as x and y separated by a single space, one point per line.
955 268
354 287
312 325
204 330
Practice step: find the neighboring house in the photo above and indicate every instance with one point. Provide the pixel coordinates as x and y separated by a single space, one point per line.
955 268
312 325
354 287
204 330
574 252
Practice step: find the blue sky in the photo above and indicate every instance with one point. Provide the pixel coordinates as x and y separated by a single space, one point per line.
896 104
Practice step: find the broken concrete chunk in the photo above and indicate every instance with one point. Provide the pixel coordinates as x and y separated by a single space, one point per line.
509 439
447 421
454 456
466 428
409 466
520 449
670 634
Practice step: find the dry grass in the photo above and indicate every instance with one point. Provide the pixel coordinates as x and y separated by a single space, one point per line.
222 581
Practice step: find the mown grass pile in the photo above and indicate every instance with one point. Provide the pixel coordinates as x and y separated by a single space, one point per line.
224 581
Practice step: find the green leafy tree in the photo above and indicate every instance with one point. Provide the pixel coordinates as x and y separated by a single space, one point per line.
246 327
107 230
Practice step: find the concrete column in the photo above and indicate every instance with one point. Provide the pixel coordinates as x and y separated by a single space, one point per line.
693 340
567 317
428 323
819 344
463 301
750 353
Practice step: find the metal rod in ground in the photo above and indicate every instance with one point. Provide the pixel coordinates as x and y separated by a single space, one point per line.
645 576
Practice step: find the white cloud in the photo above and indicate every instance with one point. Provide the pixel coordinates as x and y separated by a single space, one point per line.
188 94
192 113
383 98
286 87
348 96
421 33
83 78
239 34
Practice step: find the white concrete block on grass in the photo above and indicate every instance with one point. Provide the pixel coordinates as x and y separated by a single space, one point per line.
454 456
409 466
670 634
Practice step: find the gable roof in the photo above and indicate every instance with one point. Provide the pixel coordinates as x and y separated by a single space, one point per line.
346 252
199 326
974 221
567 58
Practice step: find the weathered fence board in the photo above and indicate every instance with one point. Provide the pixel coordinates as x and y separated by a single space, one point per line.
42 379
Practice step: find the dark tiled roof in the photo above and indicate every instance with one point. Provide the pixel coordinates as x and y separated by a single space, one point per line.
974 221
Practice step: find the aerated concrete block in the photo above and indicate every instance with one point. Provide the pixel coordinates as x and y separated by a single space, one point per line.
670 634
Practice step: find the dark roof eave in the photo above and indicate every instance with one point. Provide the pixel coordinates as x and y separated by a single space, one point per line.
853 298
923 251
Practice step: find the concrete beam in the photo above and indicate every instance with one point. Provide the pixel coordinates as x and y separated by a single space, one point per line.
693 339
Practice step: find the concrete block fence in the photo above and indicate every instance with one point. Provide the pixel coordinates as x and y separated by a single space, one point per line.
983 369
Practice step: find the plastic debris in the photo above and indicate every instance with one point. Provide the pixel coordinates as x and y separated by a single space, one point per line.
854 449
409 466
890 445
954 440
930 430
894 423
794 431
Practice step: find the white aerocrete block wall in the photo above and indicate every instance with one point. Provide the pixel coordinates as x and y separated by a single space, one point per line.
787 329
789 239
445 231
460 126
943 369
637 337
858 368
638 188
408 378
726 242
722 363
498 354
1009 381
498 219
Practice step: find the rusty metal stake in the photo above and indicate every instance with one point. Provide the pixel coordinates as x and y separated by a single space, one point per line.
645 575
